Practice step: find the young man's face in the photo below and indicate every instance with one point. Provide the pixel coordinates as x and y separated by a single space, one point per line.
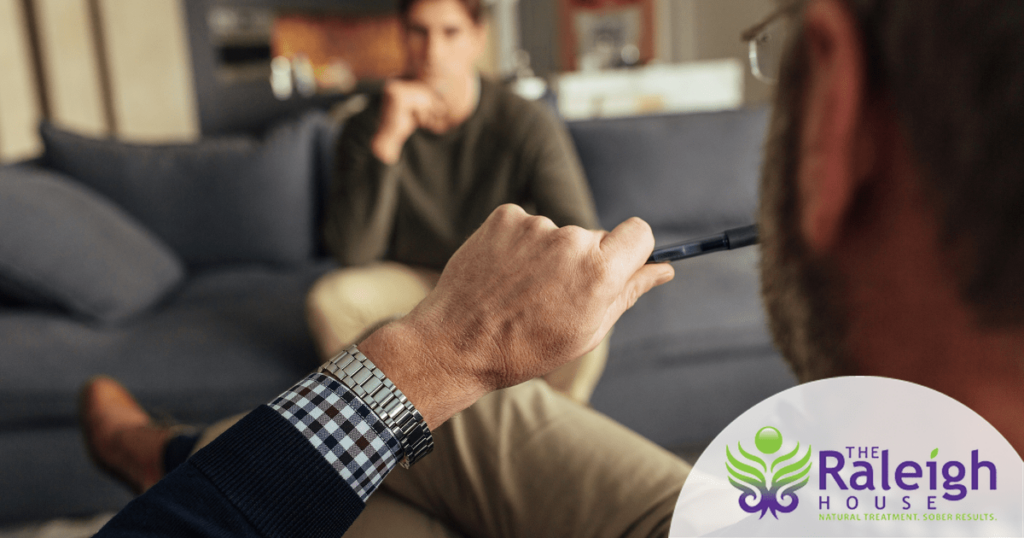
442 43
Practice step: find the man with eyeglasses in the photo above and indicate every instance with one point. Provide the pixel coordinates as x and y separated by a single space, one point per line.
891 218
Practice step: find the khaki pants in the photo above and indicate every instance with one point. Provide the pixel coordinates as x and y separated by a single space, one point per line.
344 305
527 462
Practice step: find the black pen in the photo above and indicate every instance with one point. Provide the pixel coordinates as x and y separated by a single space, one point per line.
727 240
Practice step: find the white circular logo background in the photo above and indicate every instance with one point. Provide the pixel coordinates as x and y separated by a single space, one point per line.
855 456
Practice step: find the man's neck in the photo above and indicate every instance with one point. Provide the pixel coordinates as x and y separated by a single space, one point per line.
907 320
982 369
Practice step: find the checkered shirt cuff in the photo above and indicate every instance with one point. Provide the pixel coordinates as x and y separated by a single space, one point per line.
343 429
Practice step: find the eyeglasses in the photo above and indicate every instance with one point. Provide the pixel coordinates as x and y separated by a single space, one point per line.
767 41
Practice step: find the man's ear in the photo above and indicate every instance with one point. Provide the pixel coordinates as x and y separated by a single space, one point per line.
835 152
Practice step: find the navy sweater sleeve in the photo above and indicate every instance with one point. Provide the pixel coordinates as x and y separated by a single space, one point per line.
260 478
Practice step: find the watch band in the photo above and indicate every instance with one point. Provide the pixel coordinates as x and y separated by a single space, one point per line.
366 381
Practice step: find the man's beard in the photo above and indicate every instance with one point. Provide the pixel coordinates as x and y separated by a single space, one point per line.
801 292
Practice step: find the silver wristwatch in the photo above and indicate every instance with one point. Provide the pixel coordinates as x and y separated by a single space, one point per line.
366 381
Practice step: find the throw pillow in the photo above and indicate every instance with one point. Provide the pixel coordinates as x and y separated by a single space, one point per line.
218 201
63 245
682 172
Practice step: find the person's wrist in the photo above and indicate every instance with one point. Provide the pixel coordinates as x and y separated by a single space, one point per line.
419 359
371 385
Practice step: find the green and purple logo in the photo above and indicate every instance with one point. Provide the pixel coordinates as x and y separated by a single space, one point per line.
767 487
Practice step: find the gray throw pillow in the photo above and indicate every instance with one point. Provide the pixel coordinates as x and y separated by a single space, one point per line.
677 171
63 245
218 201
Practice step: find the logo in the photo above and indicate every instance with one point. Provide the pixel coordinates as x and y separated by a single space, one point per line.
855 456
768 487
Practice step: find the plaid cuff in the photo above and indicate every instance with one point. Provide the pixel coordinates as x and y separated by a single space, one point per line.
343 429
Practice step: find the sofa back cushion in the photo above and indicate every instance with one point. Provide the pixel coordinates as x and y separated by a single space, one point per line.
63 245
678 171
218 201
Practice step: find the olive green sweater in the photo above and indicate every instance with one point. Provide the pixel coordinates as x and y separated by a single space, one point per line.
421 209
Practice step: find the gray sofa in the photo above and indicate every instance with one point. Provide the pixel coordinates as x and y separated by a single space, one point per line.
695 353
182 271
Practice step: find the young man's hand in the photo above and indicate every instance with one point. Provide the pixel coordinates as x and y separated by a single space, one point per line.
520 298
408 105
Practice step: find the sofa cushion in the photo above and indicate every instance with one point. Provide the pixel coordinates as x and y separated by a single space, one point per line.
61 244
47 475
217 201
678 171
693 354
712 306
228 340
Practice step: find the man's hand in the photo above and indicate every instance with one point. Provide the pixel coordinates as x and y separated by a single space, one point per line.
520 298
408 105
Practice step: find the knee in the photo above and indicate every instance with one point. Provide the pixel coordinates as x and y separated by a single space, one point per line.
316 299
345 286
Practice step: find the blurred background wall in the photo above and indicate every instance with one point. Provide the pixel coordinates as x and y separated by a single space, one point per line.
685 31
99 67
173 70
